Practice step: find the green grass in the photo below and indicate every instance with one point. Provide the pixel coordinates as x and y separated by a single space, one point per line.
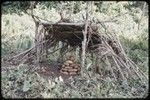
18 33
23 82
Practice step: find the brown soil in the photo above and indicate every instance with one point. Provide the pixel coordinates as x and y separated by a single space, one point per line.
52 71
45 70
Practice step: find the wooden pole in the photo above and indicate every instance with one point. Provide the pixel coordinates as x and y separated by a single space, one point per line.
39 39
84 38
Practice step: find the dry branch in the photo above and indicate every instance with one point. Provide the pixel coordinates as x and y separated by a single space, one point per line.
22 54
62 23
109 65
85 36
119 68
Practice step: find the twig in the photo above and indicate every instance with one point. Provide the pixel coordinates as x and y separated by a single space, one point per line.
137 66
123 64
111 68
119 68
77 36
114 55
123 52
135 71
25 52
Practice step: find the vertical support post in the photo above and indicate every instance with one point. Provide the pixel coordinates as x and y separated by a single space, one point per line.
45 50
60 57
36 38
97 64
84 38
39 37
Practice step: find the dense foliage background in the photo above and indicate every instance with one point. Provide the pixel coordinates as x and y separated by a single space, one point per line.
129 20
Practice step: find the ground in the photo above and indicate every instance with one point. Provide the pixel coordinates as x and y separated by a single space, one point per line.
29 81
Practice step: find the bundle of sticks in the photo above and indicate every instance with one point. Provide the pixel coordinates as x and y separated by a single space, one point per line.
70 67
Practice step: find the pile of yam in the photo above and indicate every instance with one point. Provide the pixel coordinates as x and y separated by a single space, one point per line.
70 67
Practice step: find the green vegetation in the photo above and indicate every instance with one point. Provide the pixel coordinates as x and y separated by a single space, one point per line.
18 33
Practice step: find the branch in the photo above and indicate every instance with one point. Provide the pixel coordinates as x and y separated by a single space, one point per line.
63 23
84 36
25 52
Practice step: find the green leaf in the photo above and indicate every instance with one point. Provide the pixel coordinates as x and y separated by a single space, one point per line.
26 86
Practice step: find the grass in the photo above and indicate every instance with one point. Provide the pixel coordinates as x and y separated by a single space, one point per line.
22 81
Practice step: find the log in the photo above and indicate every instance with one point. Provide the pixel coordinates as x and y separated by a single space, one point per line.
72 73
76 66
63 66
64 72
64 69
72 70
72 58
66 64
68 67
72 65
61 24
69 62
